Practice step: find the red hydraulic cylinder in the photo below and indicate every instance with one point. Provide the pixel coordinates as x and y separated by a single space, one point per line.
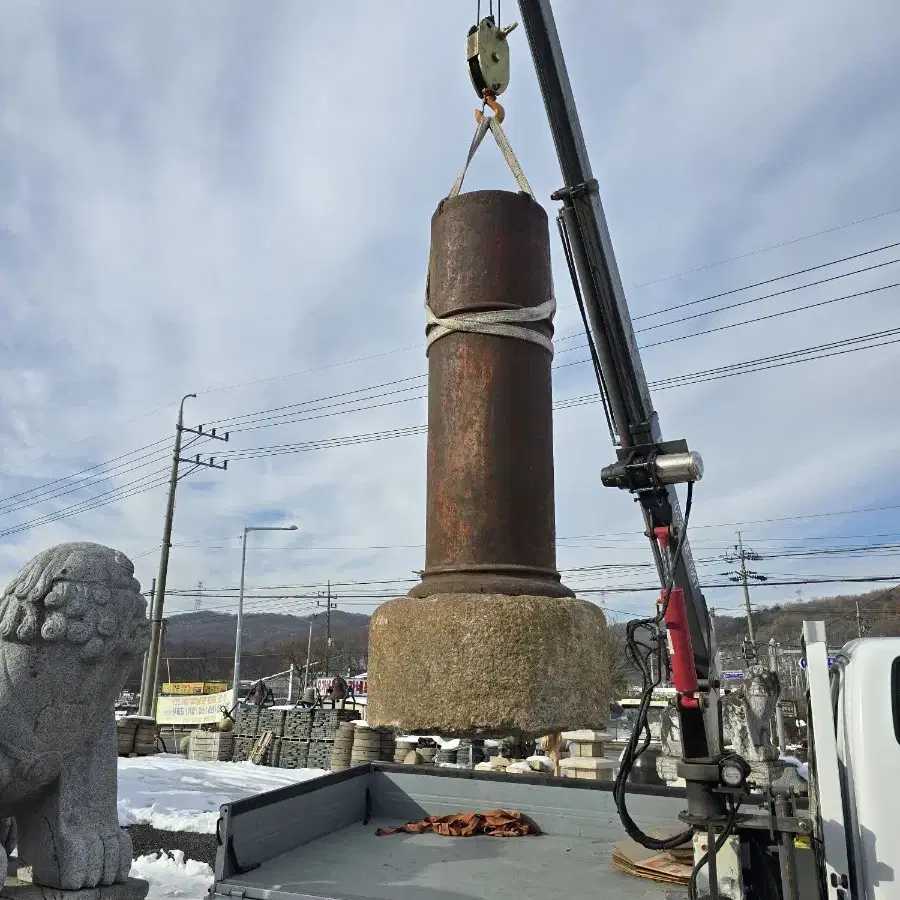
681 651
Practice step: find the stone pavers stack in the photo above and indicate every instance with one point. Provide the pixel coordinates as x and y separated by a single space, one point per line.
211 746
343 747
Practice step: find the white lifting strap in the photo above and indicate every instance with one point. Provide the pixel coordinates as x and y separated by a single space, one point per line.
500 322
490 123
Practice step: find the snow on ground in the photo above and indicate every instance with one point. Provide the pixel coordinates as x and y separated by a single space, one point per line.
171 875
172 793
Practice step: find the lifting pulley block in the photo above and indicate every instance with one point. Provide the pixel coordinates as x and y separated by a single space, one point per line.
487 51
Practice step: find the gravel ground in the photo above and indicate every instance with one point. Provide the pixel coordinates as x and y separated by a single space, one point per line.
201 847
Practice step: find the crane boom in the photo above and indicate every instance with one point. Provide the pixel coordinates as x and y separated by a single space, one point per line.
634 421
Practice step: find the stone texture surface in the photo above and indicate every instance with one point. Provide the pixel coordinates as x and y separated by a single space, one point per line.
72 624
131 889
488 664
747 715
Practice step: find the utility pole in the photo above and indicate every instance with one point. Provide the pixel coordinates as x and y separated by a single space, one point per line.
859 625
328 630
152 661
308 651
239 630
144 663
155 689
743 577
779 709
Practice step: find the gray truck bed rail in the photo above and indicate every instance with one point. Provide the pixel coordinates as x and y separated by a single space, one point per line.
317 839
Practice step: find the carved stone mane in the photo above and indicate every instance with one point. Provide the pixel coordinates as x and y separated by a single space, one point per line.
80 593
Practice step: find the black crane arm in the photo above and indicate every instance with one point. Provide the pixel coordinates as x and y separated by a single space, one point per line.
634 422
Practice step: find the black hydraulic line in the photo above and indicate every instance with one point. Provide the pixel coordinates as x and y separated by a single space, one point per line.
576 287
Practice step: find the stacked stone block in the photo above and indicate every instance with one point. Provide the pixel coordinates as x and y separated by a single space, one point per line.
586 760
293 754
211 746
241 747
470 753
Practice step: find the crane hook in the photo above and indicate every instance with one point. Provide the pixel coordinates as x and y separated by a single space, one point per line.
491 100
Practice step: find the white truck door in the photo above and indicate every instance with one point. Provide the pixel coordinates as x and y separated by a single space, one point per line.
868 742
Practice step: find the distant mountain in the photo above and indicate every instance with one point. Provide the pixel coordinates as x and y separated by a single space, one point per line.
784 621
199 646
260 630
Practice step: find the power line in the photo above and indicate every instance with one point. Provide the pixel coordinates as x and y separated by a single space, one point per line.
681 274
793 274
746 367
68 512
760 364
328 443
368 598
416 346
797 240
4 502
239 419
42 492
789 290
765 318
639 540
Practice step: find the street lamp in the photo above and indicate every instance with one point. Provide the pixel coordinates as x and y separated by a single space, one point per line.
240 615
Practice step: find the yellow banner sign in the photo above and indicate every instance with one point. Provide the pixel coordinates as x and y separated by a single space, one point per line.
179 688
193 709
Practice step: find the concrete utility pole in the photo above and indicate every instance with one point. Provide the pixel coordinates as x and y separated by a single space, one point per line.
308 651
743 577
154 692
236 680
859 627
150 597
779 709
328 631
152 660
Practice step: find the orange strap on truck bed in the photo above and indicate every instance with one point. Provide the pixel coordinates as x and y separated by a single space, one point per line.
495 823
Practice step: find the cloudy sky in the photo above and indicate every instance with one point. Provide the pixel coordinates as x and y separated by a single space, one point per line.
233 199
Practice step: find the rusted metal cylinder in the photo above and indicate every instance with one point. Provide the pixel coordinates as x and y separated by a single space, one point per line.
490 524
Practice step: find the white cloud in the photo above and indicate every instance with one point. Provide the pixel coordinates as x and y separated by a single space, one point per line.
194 197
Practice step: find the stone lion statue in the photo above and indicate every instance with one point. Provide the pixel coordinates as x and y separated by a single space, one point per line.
747 714
72 623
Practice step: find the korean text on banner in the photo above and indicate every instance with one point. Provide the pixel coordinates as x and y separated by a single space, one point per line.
193 709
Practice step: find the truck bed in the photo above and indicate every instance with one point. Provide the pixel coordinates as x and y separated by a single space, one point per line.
317 839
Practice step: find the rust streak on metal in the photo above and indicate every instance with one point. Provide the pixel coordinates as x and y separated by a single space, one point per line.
490 519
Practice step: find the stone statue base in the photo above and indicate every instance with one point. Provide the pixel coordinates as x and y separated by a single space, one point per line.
20 889
776 774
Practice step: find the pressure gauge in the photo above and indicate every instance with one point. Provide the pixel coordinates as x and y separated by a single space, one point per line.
734 771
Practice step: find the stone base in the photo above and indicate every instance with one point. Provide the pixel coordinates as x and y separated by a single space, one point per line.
488 665
775 773
133 889
588 768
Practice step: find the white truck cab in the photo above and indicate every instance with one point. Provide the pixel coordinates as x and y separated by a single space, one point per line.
865 690
855 764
